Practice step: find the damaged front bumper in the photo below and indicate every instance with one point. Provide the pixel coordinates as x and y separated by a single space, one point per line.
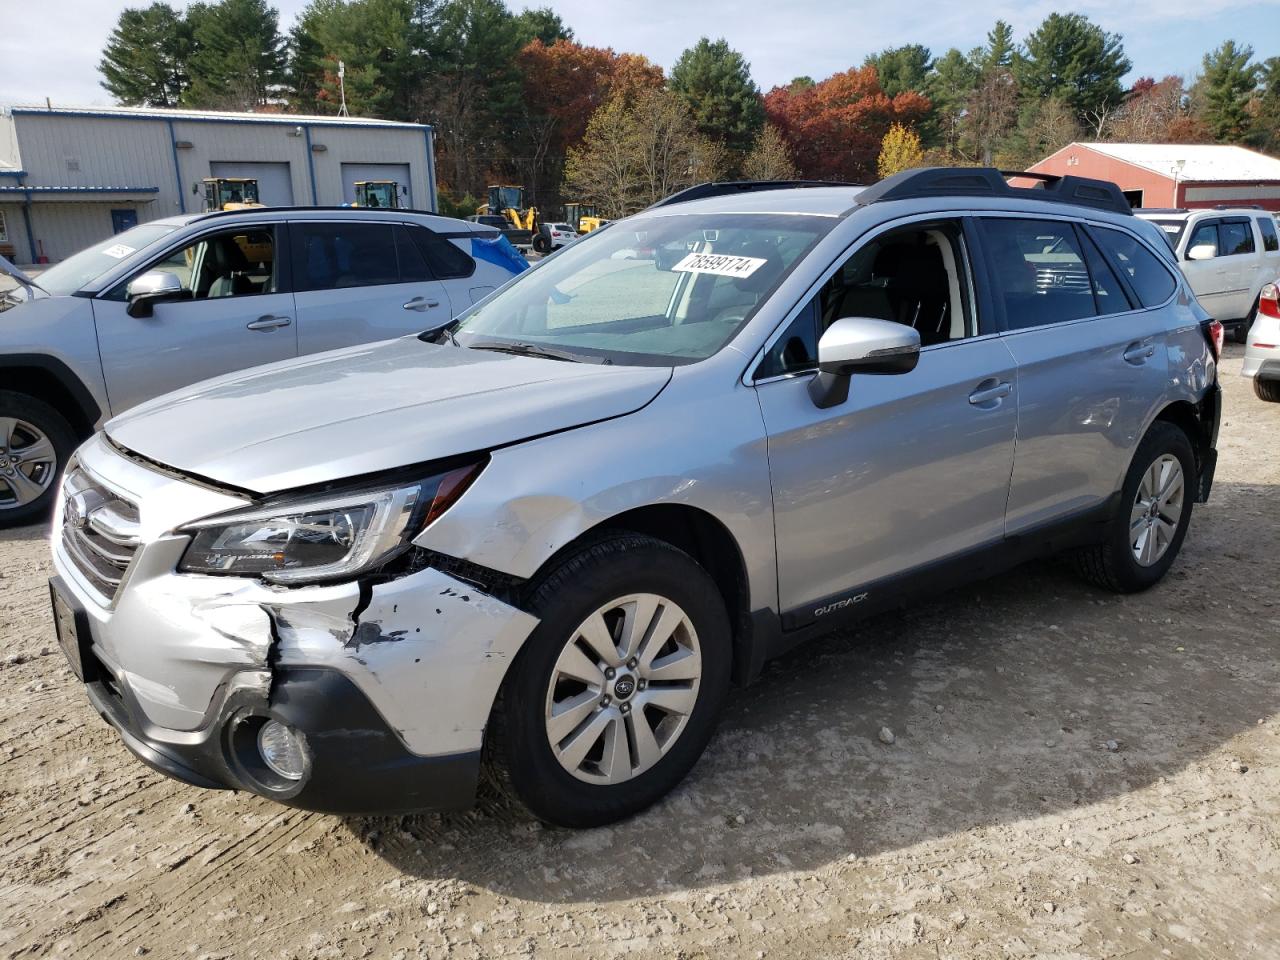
389 683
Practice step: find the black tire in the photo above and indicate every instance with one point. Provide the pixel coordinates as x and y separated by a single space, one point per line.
1268 390
1111 564
54 426
541 244
519 757
1241 332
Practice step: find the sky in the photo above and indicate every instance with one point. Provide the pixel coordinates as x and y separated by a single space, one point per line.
51 49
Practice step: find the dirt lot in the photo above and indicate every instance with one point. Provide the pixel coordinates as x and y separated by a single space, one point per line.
1001 823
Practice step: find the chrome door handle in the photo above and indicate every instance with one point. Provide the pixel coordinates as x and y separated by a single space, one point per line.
1138 353
421 303
268 322
985 394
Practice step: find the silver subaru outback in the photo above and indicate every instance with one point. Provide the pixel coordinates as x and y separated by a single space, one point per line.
540 543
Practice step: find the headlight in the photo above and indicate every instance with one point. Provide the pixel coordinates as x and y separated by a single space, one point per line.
322 538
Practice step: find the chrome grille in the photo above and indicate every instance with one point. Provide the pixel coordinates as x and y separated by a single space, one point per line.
99 531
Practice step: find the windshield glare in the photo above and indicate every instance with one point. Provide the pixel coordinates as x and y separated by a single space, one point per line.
73 273
657 291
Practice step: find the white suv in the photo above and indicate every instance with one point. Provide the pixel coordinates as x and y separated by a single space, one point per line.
1227 254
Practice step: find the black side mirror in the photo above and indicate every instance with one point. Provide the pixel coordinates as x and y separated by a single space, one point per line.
146 291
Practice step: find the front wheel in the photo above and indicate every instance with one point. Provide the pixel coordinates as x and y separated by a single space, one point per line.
1151 520
35 442
541 245
617 691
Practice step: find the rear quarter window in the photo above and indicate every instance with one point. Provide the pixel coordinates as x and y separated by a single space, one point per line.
444 258
1270 241
1149 278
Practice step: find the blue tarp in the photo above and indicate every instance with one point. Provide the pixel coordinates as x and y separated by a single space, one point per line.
499 250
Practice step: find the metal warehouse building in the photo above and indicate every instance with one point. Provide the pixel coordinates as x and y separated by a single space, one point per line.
1174 174
71 177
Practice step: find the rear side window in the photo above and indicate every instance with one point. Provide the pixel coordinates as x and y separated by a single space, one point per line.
1149 278
446 261
1234 237
1039 271
333 256
1270 242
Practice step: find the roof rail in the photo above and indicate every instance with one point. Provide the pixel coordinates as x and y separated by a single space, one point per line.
274 208
725 187
990 182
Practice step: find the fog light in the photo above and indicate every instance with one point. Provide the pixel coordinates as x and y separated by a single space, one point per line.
282 750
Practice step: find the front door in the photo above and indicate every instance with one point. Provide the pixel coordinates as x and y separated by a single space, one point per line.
122 220
1209 279
235 311
910 468
361 281
1092 362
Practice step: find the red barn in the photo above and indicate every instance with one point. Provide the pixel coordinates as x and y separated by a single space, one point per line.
1175 174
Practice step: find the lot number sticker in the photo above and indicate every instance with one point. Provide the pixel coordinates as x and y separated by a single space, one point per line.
119 251
719 264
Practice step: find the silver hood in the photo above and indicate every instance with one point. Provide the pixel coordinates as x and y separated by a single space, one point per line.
369 408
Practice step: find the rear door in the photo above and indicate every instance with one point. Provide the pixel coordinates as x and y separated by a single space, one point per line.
236 311
357 281
1240 258
1092 360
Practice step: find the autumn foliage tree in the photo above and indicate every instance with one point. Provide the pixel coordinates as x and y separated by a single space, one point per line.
635 153
770 157
564 84
835 127
899 150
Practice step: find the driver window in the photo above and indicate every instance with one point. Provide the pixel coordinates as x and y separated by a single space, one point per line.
233 264
916 275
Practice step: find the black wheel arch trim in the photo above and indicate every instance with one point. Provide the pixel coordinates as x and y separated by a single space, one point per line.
80 394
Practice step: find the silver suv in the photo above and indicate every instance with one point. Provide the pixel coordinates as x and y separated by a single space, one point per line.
185 298
542 541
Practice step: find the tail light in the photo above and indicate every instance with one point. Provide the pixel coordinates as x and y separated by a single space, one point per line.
1269 301
1216 336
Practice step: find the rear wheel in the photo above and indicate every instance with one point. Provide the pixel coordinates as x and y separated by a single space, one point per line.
1241 334
1144 537
617 692
1268 390
35 441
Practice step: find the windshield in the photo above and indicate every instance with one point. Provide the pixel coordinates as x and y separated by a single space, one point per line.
71 274
658 291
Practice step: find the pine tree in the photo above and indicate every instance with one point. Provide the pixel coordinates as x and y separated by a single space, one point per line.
1070 58
900 69
146 58
714 81
239 61
1226 85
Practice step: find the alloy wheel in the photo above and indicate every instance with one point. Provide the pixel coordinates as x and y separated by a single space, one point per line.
1157 510
28 463
623 688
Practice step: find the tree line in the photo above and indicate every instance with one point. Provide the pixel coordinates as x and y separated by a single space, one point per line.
515 98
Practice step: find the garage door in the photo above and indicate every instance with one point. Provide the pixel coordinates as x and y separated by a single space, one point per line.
275 185
399 172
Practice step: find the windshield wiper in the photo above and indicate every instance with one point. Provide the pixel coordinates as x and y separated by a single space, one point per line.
522 349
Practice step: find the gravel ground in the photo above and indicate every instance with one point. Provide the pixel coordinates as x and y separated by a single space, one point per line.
1072 775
